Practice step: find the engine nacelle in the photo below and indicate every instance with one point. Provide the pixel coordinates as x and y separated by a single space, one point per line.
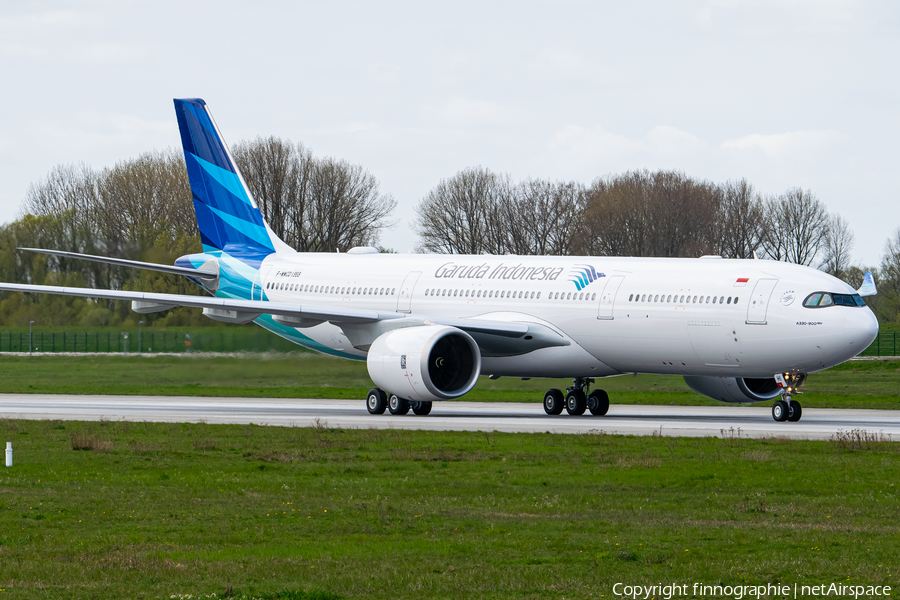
425 363
734 389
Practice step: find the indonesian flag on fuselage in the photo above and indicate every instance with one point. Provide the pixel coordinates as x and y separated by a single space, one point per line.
741 281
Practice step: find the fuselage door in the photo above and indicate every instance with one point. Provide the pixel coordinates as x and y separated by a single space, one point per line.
259 282
404 300
759 301
608 296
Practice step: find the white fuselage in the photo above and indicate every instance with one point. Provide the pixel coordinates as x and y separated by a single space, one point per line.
712 316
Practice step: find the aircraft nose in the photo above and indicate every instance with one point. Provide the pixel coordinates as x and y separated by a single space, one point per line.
862 329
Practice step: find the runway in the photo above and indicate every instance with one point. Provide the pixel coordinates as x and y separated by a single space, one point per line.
693 421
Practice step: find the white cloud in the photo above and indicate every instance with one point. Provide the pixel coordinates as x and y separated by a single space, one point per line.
7 142
78 53
451 70
385 73
564 64
795 144
664 140
56 36
592 144
767 17
49 25
578 151
93 132
461 111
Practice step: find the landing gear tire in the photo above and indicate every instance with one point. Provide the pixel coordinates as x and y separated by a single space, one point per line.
421 408
576 403
553 402
397 405
780 411
376 401
598 402
794 411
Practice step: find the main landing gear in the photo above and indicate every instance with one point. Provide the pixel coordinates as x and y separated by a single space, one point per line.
788 409
576 401
377 402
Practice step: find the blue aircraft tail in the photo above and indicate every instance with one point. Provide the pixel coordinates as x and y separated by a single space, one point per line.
227 216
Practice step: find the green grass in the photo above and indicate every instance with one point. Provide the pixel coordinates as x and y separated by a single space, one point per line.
857 384
154 510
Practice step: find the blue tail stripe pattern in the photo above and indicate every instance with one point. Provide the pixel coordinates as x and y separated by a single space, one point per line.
231 226
227 217
221 197
198 135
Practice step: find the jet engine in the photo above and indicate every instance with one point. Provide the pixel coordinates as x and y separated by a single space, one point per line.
734 389
425 363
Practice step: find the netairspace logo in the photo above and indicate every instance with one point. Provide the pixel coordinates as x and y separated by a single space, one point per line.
583 276
740 592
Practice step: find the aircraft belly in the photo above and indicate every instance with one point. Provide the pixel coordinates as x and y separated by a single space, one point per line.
638 343
561 361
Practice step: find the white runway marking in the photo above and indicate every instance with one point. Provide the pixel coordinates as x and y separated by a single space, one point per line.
692 421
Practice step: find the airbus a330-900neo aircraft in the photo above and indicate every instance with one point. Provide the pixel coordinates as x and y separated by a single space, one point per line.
429 325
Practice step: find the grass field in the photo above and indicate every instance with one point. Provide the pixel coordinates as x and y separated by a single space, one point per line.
137 510
858 384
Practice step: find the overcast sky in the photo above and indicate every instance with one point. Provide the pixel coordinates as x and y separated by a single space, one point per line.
785 93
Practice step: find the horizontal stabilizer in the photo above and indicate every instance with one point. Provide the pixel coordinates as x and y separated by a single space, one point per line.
868 286
122 262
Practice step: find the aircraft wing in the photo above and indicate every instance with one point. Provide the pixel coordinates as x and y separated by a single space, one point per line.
152 302
496 336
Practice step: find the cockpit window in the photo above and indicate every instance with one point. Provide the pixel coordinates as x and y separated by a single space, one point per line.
823 299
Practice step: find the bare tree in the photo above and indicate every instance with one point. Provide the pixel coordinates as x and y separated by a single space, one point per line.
67 190
838 244
346 208
313 204
542 218
741 220
140 200
890 265
456 215
615 220
796 227
683 215
278 175
664 213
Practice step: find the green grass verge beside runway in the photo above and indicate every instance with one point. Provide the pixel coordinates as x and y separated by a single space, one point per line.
152 510
857 384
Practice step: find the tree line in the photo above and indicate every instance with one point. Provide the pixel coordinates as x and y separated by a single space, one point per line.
638 213
141 209
642 213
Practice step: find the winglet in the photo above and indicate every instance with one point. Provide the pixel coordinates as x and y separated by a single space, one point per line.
868 286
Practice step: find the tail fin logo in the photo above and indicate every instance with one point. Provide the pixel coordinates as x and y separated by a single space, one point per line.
583 276
226 213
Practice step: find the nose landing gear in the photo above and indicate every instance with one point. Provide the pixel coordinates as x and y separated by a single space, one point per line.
788 409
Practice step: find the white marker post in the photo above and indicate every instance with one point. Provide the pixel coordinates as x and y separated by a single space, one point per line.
8 454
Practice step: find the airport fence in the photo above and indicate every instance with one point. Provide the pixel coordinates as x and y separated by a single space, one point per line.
134 341
216 339
884 345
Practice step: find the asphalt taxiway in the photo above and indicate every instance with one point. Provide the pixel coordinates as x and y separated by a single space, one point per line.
725 420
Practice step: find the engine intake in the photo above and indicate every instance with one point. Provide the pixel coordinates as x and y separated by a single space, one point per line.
425 363
734 389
